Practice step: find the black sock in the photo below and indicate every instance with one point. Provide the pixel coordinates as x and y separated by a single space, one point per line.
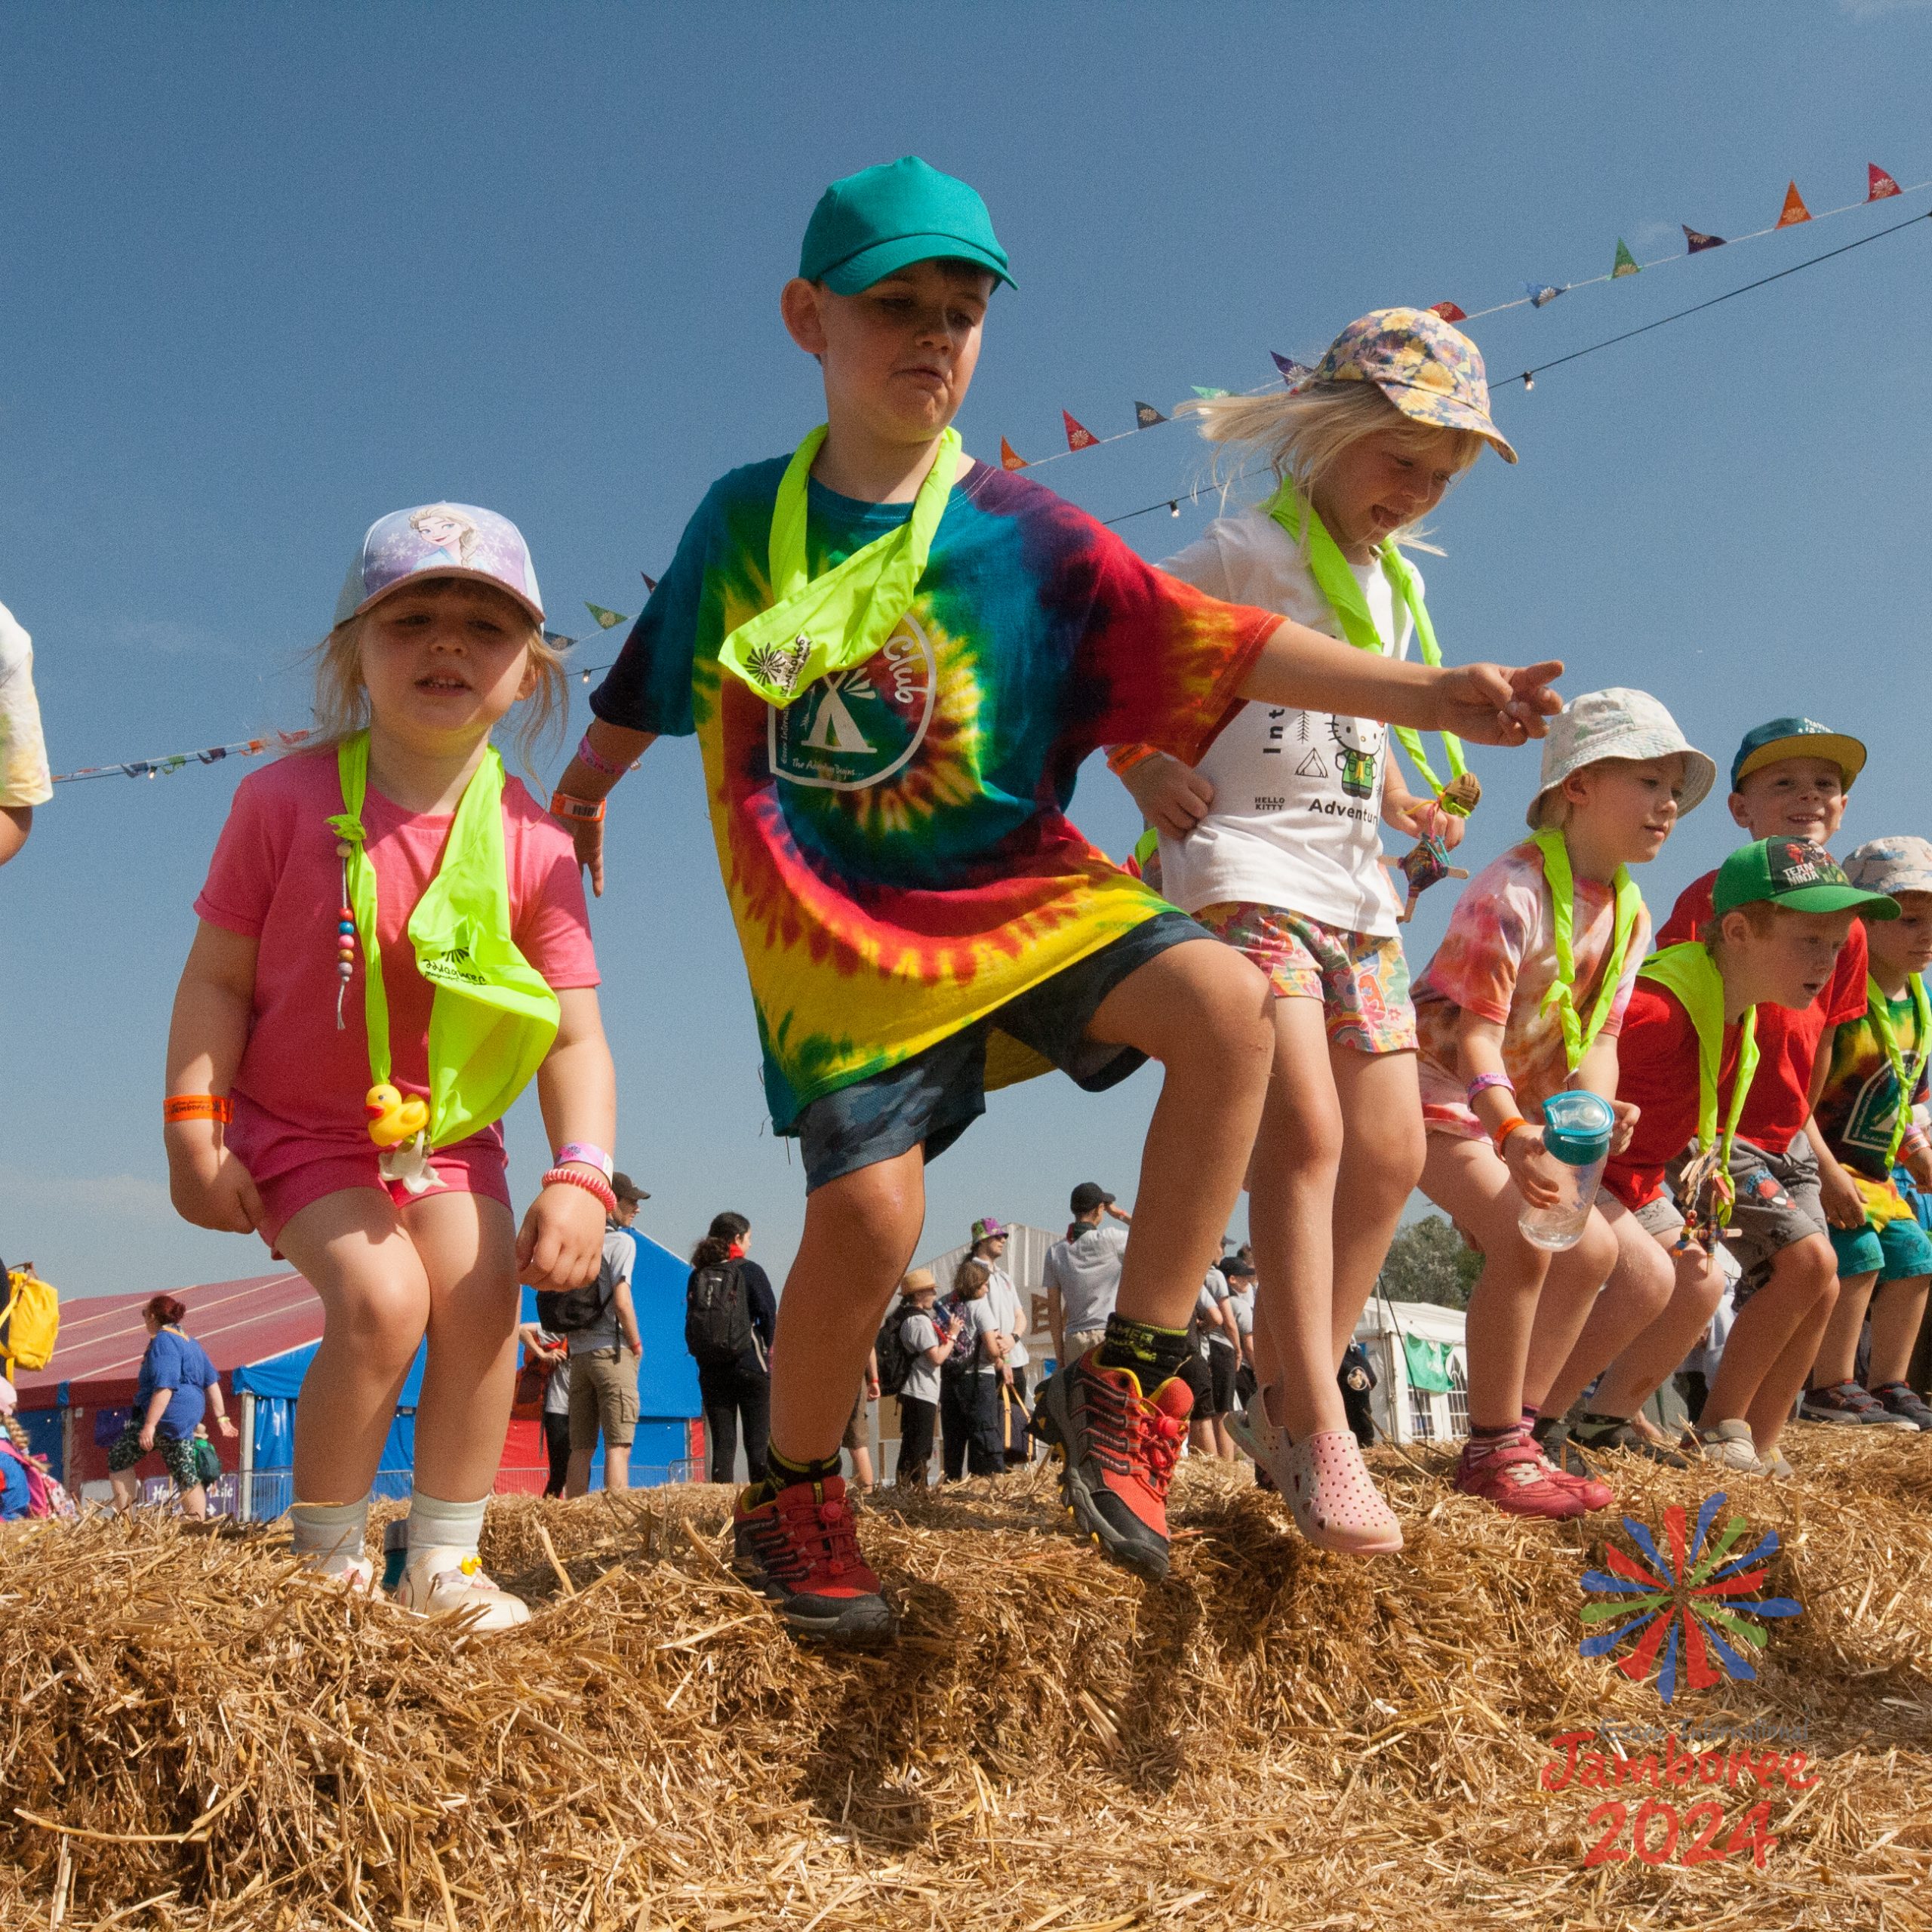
1593 1423
781 1472
1155 1355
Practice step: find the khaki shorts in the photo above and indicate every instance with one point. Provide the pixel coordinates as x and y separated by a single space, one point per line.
1079 1340
603 1397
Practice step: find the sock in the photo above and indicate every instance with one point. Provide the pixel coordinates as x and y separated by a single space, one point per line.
1483 1438
1155 1355
435 1525
1593 1423
781 1472
1530 1413
329 1533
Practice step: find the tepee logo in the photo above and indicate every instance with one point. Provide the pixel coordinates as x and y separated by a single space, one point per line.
1687 1610
855 727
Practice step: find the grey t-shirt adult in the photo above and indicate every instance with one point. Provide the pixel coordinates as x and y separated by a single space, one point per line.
620 1251
1007 1312
973 1349
1087 1272
1214 1294
557 1384
917 1332
1242 1300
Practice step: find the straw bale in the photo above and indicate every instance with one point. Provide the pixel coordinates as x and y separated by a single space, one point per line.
199 1735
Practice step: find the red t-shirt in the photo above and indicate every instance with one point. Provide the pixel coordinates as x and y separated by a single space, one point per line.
1781 1097
1656 1061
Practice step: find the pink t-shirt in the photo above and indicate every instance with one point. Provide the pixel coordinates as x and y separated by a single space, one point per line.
275 879
1497 961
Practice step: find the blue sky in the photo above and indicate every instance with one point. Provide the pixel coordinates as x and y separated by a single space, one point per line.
271 272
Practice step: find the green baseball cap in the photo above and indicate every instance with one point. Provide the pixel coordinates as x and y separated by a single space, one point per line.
1795 874
1796 737
872 224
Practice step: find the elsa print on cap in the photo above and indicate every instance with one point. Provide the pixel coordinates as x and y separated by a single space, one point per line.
439 540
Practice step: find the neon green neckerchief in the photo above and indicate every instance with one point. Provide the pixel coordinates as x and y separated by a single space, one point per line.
492 1016
814 625
1689 971
1906 1073
1339 584
1578 1038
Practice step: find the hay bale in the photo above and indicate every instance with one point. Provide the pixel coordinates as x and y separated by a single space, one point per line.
203 1735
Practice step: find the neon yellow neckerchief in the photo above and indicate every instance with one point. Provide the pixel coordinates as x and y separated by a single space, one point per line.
1338 583
1578 1038
838 618
1689 971
1906 1073
492 1016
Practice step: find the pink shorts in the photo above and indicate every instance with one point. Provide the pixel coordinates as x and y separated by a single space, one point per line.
475 1166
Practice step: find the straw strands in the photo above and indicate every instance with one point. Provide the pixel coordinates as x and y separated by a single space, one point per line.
195 1736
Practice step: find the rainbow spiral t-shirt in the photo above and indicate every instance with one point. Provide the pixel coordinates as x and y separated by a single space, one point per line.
895 843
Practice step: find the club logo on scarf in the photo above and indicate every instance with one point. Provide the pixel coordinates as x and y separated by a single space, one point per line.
855 728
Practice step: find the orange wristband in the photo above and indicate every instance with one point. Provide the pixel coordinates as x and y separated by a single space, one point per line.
589 811
198 1106
1508 1127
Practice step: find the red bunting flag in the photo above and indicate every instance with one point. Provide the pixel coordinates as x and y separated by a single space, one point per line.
650 581
1077 438
1882 185
1794 210
1448 311
1695 244
1009 457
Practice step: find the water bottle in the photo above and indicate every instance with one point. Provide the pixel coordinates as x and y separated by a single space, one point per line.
1576 1135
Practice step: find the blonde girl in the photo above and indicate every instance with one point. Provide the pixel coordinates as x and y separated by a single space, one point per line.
393 939
1273 842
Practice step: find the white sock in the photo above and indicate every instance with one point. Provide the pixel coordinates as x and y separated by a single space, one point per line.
331 1535
435 1524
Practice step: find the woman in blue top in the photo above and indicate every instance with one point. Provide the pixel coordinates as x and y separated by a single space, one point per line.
177 1385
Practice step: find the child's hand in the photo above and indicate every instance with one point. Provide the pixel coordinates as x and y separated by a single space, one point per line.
1844 1205
1497 704
1918 1164
209 1187
587 835
1533 1172
561 1244
1171 795
1628 1114
1423 818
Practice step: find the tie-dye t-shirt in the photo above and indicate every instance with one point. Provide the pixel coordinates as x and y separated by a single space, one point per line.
1497 960
895 843
1859 1105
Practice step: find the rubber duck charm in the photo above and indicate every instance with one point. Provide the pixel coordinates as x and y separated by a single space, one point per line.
400 1123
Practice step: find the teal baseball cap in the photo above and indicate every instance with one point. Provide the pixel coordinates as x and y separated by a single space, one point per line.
872 224
1796 737
1795 874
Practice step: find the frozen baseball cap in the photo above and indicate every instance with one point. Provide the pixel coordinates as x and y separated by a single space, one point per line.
1616 723
872 224
439 539
1088 1195
1891 866
986 1228
1796 737
1431 371
1795 874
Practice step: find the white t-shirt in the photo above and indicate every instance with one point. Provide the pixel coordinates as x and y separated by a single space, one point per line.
23 774
1005 1299
917 1334
1296 820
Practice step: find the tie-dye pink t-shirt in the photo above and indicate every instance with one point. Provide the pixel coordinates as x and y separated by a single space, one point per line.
1498 960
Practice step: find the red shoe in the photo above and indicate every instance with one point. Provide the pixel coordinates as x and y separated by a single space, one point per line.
800 1550
1511 1473
1118 1448
1567 1464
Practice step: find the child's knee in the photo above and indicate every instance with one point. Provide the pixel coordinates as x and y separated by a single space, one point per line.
1811 1264
876 1212
1221 1023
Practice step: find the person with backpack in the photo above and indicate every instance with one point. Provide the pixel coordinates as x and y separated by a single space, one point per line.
177 1385
27 1489
729 1312
599 1321
969 1378
916 1340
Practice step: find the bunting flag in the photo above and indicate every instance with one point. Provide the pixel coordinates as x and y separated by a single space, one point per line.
1541 294
1078 436
1794 210
1448 311
1009 458
1292 371
1145 416
607 620
1625 263
1695 244
159 767
650 581
1881 184
1208 395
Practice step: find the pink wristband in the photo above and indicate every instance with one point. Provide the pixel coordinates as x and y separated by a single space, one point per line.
598 761
589 1153
1483 1082
590 1183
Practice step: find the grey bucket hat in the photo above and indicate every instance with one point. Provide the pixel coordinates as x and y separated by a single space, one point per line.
1616 723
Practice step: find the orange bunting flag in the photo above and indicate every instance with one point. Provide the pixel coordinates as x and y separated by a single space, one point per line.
1882 187
1794 210
1077 438
1448 311
1009 458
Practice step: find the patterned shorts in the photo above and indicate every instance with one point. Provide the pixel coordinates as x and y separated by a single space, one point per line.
1362 982
177 1451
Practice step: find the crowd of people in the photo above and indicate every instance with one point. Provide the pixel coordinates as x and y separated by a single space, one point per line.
895 659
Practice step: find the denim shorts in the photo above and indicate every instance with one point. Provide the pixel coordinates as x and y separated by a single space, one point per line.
931 1099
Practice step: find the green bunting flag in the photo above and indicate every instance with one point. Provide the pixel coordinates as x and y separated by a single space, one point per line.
1626 263
607 620
1208 395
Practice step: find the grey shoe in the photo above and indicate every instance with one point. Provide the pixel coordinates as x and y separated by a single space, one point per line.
1730 1446
1846 1402
1905 1403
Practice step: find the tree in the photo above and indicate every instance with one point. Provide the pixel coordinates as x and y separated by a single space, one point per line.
1428 1262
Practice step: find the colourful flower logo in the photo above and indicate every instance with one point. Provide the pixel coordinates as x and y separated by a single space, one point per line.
1685 1606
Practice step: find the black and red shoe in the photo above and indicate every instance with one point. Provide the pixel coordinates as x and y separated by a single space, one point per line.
800 1549
1118 1447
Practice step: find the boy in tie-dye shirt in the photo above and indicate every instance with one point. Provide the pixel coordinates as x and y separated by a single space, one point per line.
920 921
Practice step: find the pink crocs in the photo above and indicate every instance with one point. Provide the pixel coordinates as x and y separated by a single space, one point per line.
1335 1503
